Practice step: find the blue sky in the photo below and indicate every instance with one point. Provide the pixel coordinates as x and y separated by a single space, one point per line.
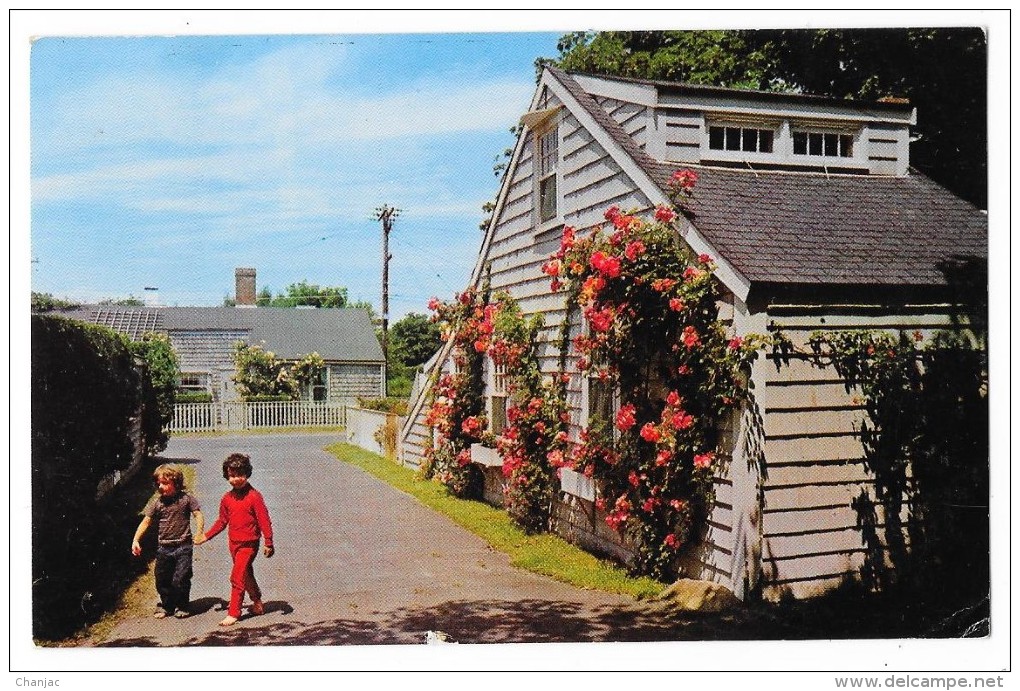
168 161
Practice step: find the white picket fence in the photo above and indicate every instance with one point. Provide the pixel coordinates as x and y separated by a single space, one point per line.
237 415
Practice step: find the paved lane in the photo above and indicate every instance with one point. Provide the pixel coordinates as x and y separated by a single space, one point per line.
358 562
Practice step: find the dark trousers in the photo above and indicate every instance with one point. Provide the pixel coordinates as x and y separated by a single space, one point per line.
173 577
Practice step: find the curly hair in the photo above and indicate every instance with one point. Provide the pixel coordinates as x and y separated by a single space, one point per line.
239 463
171 473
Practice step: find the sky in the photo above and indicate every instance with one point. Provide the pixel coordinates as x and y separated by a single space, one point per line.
168 161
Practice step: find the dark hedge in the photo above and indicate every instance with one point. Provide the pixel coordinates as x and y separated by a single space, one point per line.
86 388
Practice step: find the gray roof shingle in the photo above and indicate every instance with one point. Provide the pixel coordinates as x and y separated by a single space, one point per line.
335 334
786 227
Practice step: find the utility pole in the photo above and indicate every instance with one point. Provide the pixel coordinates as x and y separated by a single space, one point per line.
386 214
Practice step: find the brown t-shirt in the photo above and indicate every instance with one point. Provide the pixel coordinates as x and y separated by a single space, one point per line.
174 515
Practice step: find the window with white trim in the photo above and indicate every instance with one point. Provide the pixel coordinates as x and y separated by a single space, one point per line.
497 397
547 151
739 138
195 382
831 144
318 388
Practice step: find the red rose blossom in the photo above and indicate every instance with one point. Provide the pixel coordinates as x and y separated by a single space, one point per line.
650 433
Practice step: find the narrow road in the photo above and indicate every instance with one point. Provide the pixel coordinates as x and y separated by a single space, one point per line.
358 562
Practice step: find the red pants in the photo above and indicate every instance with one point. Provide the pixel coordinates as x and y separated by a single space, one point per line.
242 576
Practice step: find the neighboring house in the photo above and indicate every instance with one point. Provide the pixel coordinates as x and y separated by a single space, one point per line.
815 220
204 339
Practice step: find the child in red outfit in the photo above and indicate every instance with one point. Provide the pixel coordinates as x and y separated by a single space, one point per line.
243 512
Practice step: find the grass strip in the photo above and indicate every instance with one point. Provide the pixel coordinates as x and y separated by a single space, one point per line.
546 554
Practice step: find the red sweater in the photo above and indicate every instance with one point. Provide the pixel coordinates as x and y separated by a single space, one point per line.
243 512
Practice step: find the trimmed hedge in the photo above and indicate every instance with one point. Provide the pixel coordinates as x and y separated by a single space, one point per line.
193 397
397 406
88 387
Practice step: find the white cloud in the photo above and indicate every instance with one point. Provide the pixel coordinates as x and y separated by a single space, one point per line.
292 95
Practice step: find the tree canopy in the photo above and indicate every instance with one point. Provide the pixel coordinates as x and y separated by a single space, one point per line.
414 339
304 294
942 71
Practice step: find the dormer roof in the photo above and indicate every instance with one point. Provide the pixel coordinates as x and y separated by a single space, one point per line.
782 226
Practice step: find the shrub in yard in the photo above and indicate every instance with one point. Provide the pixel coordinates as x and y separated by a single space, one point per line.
391 404
86 388
192 397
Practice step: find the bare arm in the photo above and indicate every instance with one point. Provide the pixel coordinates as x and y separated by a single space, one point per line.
199 522
136 547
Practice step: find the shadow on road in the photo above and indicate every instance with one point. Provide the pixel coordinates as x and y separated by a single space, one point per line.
476 621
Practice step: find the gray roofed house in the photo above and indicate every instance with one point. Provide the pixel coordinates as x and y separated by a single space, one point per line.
815 220
204 338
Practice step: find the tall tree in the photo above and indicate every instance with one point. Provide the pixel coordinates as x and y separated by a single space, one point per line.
943 71
414 339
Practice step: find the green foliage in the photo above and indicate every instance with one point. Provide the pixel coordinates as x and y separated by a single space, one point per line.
943 71
695 57
159 388
413 340
193 397
86 389
397 406
399 384
44 302
260 376
304 294
130 301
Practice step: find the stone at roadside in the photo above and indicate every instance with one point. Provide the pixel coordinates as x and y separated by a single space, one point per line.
689 595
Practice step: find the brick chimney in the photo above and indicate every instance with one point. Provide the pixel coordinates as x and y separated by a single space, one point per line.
244 285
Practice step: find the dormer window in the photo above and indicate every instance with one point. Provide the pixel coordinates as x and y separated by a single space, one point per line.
735 138
832 144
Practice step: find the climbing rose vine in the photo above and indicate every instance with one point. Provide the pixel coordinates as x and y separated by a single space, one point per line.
534 443
654 334
456 411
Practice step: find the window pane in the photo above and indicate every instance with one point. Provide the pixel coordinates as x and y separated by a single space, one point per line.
716 137
733 138
831 145
547 200
800 142
765 141
815 144
750 139
600 400
846 145
548 146
498 415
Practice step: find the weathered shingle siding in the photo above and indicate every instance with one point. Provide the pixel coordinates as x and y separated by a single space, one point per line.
200 351
632 117
348 381
814 458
